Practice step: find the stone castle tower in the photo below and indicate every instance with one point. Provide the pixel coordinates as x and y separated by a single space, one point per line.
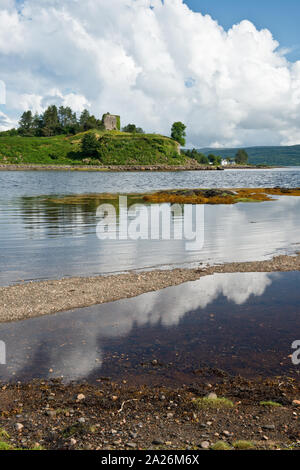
111 122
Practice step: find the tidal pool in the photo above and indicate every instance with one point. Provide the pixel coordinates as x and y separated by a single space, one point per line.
225 324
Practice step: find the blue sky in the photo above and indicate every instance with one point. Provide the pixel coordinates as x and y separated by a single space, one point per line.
281 17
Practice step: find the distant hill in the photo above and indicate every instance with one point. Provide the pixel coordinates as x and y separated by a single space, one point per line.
274 156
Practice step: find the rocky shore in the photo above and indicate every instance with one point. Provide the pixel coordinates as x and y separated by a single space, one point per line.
228 414
191 166
32 299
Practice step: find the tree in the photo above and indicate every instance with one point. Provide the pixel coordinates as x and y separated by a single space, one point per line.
51 125
214 159
241 157
201 158
133 129
178 132
84 117
90 145
88 121
26 123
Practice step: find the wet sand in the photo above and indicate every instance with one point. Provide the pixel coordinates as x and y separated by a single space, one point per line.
33 299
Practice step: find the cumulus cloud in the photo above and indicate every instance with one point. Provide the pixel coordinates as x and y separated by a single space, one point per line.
153 62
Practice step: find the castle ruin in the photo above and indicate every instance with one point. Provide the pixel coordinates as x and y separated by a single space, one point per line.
111 122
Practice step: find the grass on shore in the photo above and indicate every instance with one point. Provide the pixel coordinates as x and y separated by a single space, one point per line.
270 403
215 403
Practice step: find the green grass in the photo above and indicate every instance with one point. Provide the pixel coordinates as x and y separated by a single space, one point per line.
5 446
116 148
243 445
221 445
215 403
270 403
4 434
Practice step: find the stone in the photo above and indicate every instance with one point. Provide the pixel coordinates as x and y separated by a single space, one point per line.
19 427
269 427
80 397
205 445
110 121
81 420
212 396
296 402
131 445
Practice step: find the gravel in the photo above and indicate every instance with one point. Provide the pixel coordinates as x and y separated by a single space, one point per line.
33 299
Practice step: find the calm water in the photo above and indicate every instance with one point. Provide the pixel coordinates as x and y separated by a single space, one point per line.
30 183
43 239
240 323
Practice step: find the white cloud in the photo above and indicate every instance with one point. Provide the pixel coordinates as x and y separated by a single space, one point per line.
152 62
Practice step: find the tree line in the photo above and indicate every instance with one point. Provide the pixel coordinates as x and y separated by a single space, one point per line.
56 121
240 158
61 120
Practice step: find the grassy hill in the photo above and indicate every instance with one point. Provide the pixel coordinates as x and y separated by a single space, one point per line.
116 148
277 156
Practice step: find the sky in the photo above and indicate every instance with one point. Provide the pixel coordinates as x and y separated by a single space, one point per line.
280 17
229 70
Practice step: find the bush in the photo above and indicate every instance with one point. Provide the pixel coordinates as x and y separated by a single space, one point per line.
90 145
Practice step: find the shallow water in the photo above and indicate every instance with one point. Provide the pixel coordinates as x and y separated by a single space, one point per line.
44 240
239 323
40 239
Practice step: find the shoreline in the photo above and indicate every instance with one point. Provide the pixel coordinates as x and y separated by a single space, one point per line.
38 298
119 168
252 414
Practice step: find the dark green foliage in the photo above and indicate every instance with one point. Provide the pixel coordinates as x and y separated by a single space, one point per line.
241 157
178 132
88 122
26 123
214 159
90 146
56 122
142 149
200 157
51 125
131 128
